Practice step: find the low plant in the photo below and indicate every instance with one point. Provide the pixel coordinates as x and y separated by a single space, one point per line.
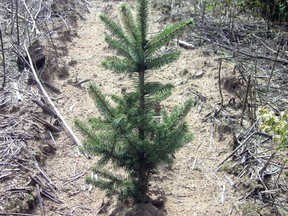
276 125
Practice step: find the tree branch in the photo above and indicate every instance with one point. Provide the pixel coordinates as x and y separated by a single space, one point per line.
67 127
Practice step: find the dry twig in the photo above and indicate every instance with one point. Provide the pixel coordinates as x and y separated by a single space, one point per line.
67 127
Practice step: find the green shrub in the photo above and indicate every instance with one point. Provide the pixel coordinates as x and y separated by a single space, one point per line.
277 125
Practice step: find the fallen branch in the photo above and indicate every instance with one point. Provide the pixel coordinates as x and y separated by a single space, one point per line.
48 125
17 214
67 127
185 44
219 85
45 108
50 86
245 99
50 196
238 147
40 200
3 60
280 60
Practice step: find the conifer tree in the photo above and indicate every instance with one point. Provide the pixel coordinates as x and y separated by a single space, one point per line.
128 135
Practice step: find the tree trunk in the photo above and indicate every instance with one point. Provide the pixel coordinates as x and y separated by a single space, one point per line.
142 105
143 177
142 173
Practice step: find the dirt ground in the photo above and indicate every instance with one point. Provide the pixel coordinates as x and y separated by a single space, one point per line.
192 186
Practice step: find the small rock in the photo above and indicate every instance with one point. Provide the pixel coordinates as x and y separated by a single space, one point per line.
198 74
181 82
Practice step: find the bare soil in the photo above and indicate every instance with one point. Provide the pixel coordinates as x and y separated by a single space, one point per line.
192 186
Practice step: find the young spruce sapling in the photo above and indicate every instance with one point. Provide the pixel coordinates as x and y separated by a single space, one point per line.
128 135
